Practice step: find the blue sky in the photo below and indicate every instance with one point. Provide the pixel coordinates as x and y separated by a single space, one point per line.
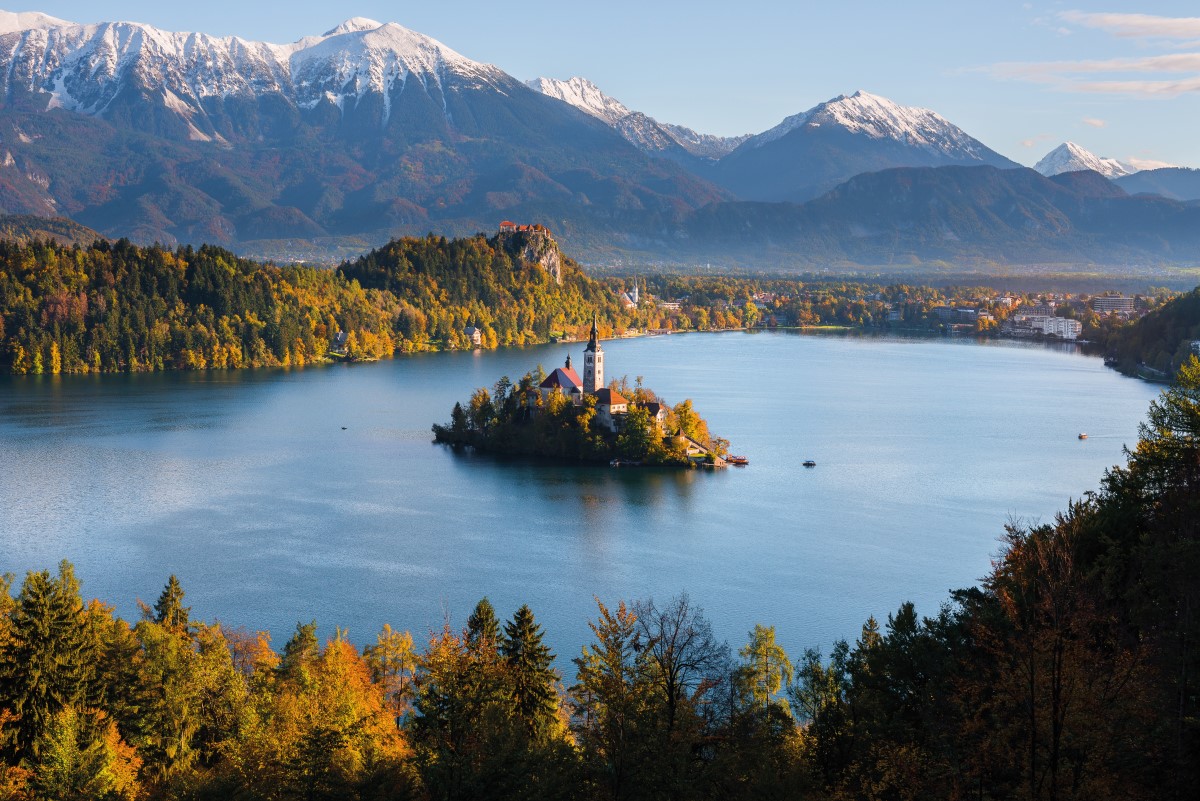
1122 79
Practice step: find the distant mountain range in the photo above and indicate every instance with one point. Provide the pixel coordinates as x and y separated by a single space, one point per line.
335 143
1177 183
976 215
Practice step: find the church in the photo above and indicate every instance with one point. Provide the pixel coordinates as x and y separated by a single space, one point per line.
610 404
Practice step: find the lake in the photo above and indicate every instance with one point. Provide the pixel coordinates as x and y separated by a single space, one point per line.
246 486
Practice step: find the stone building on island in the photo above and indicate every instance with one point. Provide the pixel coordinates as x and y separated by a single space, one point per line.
610 404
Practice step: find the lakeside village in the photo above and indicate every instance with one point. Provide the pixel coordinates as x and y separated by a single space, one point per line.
1060 316
564 416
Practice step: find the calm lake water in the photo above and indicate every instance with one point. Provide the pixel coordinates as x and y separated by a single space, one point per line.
245 485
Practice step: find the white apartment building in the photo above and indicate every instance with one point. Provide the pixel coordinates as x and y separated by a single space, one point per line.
1062 327
1103 304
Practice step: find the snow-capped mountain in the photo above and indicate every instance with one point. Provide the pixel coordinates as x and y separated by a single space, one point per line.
811 152
645 132
583 95
1070 157
91 68
879 118
365 131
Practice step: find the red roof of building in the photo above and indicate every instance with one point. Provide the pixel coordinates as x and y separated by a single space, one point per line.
610 397
563 378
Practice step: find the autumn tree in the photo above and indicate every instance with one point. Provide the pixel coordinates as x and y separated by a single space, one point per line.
766 668
81 757
612 706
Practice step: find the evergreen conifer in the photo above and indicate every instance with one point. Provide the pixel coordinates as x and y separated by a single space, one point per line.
528 661
169 610
47 660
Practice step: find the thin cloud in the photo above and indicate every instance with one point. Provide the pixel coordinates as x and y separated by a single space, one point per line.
1166 75
1095 123
1163 89
1137 26
1177 73
1034 141
1148 164
1042 71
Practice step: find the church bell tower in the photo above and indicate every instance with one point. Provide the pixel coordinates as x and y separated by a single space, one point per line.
593 363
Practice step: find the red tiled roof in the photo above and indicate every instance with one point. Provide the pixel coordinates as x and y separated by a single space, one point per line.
562 378
610 397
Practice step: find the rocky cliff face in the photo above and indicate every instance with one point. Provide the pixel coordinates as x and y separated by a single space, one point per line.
535 245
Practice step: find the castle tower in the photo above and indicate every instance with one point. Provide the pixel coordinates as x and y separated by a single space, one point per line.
593 363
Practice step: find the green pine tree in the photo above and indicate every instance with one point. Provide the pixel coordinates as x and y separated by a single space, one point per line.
534 698
169 610
47 660
483 629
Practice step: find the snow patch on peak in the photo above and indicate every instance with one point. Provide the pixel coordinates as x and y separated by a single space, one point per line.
353 25
644 132
1070 157
13 21
877 117
583 95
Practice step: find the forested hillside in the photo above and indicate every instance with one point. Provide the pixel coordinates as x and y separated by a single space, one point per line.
444 285
1162 340
117 307
1070 673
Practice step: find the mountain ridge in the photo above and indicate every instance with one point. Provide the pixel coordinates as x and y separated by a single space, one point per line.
645 132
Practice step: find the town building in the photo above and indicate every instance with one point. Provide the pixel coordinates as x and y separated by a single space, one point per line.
1043 309
474 334
338 343
658 413
1106 304
1062 327
610 406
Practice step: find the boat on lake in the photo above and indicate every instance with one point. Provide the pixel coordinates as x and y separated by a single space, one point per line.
737 461
809 463
1083 436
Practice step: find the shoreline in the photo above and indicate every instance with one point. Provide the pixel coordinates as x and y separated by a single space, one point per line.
914 334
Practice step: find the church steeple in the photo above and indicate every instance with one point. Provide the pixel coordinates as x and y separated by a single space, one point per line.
594 340
593 361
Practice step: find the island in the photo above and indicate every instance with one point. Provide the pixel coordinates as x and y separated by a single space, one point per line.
563 416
